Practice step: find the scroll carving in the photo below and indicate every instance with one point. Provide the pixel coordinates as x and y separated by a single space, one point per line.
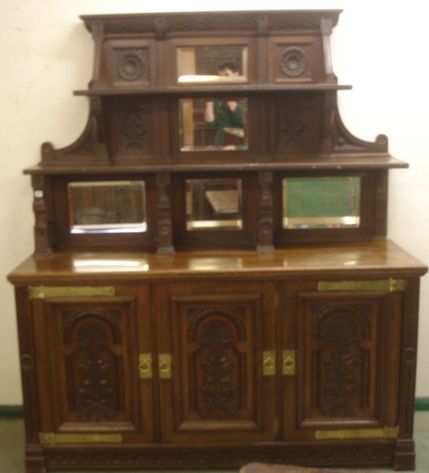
89 148
345 142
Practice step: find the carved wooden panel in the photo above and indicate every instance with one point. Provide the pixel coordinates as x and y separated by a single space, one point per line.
92 368
128 63
216 346
294 60
131 128
342 360
91 351
297 124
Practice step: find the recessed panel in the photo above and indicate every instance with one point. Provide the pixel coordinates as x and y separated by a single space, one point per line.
321 202
213 204
107 207
212 64
213 124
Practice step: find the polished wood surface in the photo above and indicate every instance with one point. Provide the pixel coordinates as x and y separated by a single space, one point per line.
378 257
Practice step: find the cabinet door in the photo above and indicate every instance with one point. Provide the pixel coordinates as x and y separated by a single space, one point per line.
347 347
216 337
88 351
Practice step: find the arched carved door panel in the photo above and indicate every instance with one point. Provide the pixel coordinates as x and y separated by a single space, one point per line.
347 373
216 339
88 364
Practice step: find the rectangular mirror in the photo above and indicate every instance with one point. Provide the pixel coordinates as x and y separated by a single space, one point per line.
107 207
321 202
212 64
213 204
213 124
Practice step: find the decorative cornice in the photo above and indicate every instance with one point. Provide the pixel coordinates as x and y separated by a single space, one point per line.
251 22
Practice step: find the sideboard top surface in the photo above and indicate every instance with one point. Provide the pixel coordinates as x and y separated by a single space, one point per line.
372 259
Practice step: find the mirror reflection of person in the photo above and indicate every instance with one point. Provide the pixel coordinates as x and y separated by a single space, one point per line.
225 114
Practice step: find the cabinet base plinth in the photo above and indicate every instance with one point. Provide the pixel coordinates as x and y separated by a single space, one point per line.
219 456
34 459
405 457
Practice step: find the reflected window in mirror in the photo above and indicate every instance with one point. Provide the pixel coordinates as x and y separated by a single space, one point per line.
321 202
107 207
212 64
213 124
213 204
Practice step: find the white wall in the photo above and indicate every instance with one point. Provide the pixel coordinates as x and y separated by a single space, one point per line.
380 47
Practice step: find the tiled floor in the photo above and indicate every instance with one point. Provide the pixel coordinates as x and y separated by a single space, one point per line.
12 445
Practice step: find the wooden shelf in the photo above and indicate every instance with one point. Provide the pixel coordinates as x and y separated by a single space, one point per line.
188 165
198 89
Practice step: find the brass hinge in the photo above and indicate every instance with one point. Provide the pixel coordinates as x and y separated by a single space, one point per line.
288 362
44 292
53 438
164 365
145 366
344 434
268 363
379 285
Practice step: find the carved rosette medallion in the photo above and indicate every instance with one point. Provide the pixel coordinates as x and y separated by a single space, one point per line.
130 67
293 62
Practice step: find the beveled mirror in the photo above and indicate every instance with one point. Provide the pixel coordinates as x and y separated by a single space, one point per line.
212 64
107 207
321 202
213 204
213 124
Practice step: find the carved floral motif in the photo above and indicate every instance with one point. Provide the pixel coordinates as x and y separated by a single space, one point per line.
93 369
293 129
293 62
133 127
130 67
218 370
341 363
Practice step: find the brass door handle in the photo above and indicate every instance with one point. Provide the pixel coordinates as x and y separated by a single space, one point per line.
288 362
268 363
145 366
164 365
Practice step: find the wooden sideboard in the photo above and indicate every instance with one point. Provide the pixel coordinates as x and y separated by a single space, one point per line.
212 360
206 292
